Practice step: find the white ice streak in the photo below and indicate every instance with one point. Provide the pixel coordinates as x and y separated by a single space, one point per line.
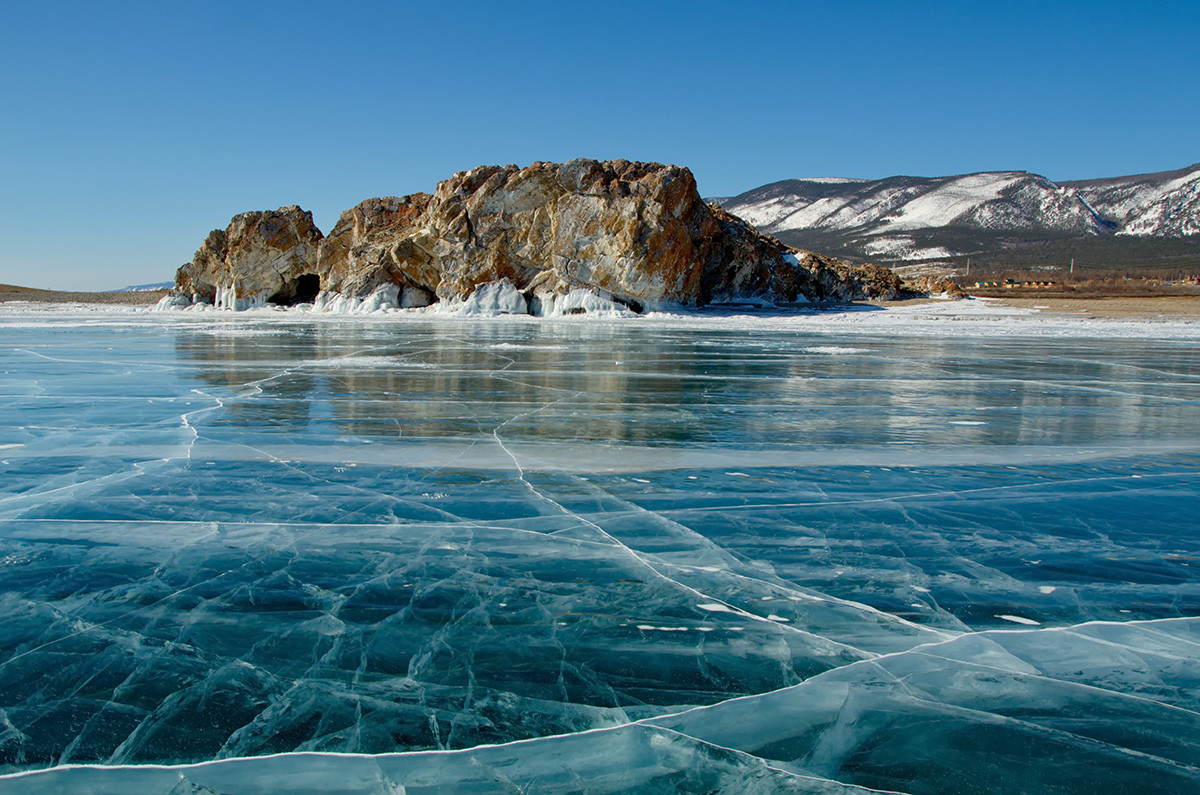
1019 620
975 318
835 350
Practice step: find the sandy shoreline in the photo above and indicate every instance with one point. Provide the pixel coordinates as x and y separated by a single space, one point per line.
1176 306
1164 307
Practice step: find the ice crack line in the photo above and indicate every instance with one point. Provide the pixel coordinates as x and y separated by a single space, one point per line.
313 528
641 561
89 361
927 649
777 583
141 608
646 564
927 494
185 422
807 777
254 387
110 479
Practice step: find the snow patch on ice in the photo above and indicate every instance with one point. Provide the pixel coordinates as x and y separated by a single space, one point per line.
1020 620
835 350
240 331
521 346
370 362
976 317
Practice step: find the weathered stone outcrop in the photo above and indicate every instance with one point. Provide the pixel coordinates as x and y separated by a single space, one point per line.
744 262
933 285
373 245
638 233
268 253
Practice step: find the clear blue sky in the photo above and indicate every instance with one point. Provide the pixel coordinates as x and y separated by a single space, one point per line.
129 130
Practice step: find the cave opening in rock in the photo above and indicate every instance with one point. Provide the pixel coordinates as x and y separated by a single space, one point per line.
634 306
301 290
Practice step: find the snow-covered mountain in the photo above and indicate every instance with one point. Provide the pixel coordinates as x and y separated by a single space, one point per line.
923 218
1165 204
143 288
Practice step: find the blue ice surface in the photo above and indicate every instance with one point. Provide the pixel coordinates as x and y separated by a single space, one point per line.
595 556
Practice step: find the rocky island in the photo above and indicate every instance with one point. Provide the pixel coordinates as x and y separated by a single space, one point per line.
546 239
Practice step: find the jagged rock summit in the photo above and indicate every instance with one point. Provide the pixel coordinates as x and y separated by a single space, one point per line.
637 234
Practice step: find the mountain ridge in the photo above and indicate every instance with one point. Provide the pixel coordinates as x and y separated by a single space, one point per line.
907 218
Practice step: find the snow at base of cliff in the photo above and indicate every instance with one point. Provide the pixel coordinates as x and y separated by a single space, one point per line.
977 317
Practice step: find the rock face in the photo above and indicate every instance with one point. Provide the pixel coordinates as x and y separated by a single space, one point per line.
372 245
637 233
259 252
934 285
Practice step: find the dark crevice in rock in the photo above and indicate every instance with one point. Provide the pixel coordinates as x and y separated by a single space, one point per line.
301 290
632 305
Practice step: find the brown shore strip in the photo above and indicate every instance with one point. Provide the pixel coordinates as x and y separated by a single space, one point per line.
11 292
1167 306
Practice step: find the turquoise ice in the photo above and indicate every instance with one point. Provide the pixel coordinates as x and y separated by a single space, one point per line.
526 554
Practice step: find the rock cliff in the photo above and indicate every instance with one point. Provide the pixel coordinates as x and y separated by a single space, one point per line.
636 233
260 253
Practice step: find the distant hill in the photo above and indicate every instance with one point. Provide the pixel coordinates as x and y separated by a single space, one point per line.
143 288
1166 204
14 292
1011 219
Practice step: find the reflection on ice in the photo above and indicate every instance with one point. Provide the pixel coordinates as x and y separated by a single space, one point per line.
528 555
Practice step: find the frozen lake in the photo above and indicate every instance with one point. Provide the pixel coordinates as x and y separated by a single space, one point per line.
674 554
